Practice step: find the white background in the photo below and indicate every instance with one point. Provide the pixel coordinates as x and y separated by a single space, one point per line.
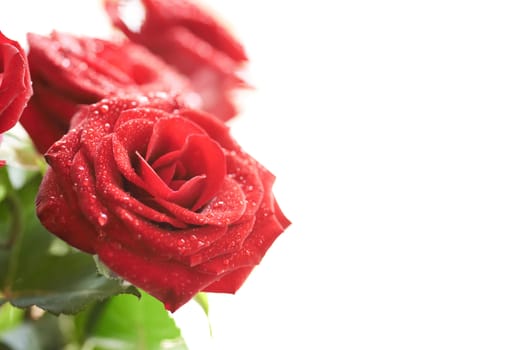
395 129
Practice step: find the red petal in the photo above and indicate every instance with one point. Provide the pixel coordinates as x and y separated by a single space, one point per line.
63 217
44 131
54 103
127 140
15 82
161 15
230 282
109 185
84 185
214 127
184 196
204 156
195 43
170 134
230 242
167 241
171 282
225 208
268 226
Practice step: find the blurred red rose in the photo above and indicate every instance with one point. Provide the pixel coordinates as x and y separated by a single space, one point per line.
70 71
15 82
162 194
189 38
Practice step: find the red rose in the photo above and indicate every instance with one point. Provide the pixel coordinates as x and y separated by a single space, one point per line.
163 195
15 82
69 71
193 41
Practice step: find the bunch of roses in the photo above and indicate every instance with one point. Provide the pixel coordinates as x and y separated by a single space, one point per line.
142 170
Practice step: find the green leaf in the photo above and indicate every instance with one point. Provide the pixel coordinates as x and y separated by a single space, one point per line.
34 272
64 284
104 270
10 317
127 322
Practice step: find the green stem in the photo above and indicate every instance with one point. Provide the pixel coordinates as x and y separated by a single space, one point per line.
14 242
13 205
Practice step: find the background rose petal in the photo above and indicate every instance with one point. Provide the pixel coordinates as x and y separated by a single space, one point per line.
15 82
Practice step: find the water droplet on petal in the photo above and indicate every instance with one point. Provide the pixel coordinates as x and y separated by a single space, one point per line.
65 63
161 94
142 99
102 219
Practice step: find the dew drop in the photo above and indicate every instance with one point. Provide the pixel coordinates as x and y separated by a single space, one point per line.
107 127
193 100
66 62
142 99
104 108
102 219
161 94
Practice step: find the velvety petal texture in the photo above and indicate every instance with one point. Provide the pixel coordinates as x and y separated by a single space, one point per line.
70 71
193 41
15 82
162 194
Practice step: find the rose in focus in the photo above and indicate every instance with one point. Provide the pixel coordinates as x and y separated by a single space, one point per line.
15 82
162 194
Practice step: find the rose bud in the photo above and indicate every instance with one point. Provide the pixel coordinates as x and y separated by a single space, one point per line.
15 82
162 194
70 71
192 40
